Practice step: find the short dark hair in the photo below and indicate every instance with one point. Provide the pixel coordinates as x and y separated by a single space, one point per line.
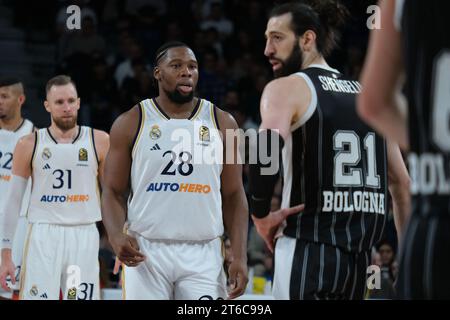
59 80
6 81
324 17
165 47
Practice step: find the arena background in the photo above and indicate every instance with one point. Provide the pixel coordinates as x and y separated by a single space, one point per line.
111 57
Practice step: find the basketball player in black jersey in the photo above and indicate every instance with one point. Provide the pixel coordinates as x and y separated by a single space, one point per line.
333 163
415 41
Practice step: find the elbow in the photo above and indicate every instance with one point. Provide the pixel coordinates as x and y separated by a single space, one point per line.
367 107
400 187
404 182
230 196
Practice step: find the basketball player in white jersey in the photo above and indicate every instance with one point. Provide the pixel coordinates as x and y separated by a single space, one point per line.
173 249
65 163
12 128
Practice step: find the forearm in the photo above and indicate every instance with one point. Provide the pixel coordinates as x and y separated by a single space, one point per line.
11 211
388 120
6 255
261 180
236 223
114 211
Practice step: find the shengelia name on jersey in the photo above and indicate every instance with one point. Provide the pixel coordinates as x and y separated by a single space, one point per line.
356 201
337 85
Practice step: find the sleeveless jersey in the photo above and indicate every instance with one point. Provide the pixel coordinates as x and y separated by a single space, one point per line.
426 55
8 141
175 175
65 188
336 165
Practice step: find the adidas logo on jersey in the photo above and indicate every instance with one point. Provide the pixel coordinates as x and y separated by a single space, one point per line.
44 296
47 166
155 147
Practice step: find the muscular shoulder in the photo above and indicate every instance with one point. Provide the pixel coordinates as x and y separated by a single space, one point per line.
126 125
23 154
101 137
287 95
26 142
285 83
289 88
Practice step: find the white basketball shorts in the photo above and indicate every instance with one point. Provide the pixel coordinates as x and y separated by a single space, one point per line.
60 259
177 270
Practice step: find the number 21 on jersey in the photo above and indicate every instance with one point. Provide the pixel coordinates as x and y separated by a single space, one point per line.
348 149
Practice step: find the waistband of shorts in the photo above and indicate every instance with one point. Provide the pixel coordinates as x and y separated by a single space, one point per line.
171 241
87 225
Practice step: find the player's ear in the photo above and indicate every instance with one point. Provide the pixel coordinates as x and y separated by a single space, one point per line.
308 40
22 99
46 105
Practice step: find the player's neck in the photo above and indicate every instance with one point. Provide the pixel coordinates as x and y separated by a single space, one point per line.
64 136
175 110
11 124
317 59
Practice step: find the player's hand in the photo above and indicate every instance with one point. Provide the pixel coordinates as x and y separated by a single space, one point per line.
126 249
117 265
7 268
238 278
268 226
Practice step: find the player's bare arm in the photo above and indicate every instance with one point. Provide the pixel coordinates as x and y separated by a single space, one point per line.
115 187
21 171
235 210
23 154
399 186
378 104
101 145
279 110
279 107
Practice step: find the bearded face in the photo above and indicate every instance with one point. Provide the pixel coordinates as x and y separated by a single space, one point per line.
291 64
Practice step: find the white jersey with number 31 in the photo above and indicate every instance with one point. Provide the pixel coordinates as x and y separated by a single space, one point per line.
65 187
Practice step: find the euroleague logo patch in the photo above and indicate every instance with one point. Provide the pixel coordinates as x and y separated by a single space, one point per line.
82 155
204 133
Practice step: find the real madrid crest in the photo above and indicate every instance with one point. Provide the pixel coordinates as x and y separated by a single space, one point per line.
204 133
155 133
34 291
46 154
82 154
